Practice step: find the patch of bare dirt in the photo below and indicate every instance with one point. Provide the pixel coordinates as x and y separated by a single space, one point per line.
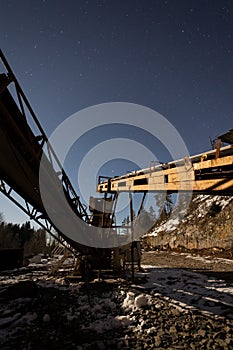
218 264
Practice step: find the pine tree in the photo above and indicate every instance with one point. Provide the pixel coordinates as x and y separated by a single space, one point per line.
1 218
168 205
164 204
152 213
126 221
143 222
25 233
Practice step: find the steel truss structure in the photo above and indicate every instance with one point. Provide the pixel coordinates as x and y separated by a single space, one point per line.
21 150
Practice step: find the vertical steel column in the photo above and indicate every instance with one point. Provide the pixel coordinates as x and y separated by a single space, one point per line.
132 233
217 154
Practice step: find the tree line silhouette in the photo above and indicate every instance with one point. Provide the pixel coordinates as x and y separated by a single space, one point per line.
31 240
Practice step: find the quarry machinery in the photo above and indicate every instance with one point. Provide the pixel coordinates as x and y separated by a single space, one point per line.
210 172
23 142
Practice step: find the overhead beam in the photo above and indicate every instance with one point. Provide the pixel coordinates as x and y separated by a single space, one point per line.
202 174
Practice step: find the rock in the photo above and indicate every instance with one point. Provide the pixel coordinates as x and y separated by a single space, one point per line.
35 259
128 301
157 340
46 318
173 329
141 301
206 226
202 333
165 327
151 330
175 312
124 320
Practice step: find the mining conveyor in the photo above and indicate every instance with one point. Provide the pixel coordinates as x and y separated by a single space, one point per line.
207 173
23 142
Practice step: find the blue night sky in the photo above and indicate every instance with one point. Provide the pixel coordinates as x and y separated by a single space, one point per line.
174 56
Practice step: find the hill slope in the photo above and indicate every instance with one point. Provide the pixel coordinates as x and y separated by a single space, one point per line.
208 224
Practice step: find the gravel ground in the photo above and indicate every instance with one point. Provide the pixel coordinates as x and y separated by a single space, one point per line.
219 264
176 303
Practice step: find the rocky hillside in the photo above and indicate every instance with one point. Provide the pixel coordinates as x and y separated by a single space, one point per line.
208 224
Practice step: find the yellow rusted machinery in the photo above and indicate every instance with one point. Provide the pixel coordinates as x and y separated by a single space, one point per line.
207 173
21 150
23 143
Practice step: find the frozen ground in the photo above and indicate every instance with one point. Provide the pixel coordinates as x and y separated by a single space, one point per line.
178 301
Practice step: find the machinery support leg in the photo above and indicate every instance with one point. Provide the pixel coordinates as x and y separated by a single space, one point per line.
132 233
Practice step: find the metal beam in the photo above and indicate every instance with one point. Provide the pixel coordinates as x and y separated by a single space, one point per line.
200 174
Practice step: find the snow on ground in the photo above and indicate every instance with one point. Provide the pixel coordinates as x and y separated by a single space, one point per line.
209 260
206 203
190 290
113 310
167 226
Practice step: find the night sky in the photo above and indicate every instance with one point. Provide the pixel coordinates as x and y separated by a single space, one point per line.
174 56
